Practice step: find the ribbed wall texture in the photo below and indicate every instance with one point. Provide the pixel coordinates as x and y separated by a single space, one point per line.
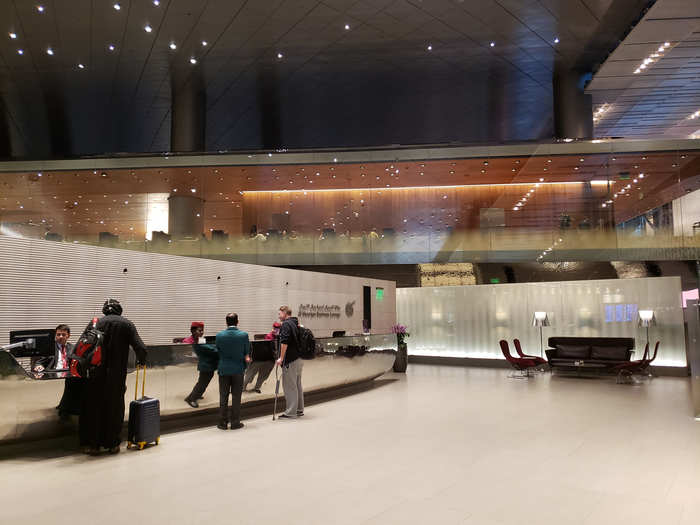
468 321
44 283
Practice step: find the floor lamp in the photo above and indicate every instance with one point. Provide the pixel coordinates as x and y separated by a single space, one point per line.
540 319
646 319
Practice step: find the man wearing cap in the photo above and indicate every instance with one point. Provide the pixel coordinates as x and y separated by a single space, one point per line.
102 413
208 363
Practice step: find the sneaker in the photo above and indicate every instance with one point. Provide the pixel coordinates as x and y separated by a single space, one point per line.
222 426
285 416
300 414
192 403
236 426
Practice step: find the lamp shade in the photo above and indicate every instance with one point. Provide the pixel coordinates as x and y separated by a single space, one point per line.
540 319
646 318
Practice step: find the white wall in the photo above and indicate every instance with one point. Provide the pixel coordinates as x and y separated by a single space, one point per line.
44 283
469 321
686 211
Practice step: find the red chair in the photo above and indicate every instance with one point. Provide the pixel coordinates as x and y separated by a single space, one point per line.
524 366
519 349
640 366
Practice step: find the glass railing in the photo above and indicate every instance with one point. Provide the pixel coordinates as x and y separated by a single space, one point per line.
599 200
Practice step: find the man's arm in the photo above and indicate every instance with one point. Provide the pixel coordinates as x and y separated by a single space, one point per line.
138 346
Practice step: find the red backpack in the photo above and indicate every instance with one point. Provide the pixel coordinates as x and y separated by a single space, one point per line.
87 354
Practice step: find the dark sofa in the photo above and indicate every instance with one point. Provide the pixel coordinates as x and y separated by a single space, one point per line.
565 352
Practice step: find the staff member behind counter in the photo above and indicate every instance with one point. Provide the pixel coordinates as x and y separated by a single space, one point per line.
207 363
73 386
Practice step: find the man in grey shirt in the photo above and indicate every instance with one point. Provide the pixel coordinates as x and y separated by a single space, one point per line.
291 364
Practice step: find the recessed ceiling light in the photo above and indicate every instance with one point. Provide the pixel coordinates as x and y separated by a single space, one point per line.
556 40
193 60
347 27
430 47
173 46
81 66
40 8
493 44
49 51
13 35
111 47
280 55
205 43
156 3
117 7
20 51
147 28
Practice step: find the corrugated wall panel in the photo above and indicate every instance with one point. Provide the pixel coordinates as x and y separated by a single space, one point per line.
44 283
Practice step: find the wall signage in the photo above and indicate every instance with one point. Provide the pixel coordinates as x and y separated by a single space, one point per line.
331 311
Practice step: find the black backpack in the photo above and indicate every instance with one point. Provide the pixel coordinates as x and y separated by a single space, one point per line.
307 343
87 354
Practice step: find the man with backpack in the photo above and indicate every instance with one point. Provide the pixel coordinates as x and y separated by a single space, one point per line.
291 364
102 414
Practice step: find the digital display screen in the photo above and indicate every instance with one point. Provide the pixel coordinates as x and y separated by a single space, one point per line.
621 313
380 294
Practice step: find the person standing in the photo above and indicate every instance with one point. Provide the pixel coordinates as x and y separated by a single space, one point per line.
233 347
291 364
73 386
206 365
102 414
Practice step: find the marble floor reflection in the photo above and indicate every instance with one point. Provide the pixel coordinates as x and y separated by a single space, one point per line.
439 445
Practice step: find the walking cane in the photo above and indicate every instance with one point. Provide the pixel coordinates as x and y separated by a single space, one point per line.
277 390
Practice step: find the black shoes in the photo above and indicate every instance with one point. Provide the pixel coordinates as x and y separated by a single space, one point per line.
222 426
236 426
300 414
191 402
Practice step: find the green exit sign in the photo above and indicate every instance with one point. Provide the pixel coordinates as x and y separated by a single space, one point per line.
380 294
494 280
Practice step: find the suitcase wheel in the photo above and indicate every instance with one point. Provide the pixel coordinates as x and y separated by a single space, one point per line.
142 444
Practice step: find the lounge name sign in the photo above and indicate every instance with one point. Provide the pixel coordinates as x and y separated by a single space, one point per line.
319 310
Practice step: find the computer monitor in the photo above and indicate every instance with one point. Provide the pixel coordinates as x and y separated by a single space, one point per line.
45 342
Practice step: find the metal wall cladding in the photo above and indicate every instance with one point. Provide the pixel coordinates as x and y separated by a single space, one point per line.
44 283
468 321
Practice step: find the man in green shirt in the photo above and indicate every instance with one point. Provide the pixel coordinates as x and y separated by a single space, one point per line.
233 347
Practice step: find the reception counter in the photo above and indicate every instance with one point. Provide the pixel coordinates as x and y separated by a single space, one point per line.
27 399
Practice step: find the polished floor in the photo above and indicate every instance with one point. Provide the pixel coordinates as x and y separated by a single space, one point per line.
439 445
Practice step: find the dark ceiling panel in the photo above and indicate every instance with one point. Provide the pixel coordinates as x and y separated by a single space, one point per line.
376 82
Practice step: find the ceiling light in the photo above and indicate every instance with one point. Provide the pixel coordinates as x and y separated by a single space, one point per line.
347 27
492 44
81 66
117 7
147 28
193 60
280 55
49 51
156 3
430 47
193 190
111 47
667 44
205 43
556 40
40 8
13 35
173 46
20 51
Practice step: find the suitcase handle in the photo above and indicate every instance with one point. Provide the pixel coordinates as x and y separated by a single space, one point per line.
143 385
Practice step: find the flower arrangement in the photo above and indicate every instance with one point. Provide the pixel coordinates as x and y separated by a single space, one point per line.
401 332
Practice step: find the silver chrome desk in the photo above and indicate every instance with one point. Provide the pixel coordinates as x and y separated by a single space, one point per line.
27 400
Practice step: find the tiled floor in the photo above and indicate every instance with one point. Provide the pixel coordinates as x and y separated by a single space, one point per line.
440 445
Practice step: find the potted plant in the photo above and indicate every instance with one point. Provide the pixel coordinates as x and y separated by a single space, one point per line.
401 361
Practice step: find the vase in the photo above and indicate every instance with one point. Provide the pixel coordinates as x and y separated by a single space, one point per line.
401 361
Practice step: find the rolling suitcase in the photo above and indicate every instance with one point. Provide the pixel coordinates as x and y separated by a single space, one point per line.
144 417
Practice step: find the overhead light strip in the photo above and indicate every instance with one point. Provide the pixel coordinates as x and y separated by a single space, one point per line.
395 188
